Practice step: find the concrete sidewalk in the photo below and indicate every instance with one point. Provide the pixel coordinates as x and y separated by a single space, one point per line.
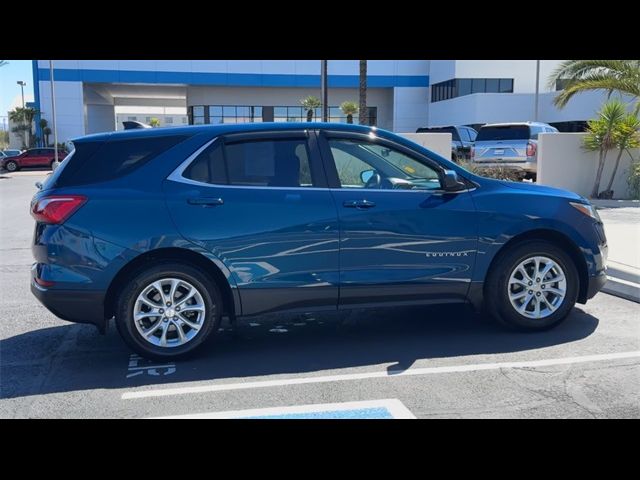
622 226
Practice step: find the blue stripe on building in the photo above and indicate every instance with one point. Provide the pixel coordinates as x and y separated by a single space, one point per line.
36 95
228 79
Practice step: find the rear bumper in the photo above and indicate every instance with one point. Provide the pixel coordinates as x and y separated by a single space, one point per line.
528 167
73 305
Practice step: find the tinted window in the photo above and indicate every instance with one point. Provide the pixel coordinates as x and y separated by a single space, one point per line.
472 134
477 85
508 132
208 167
464 133
464 86
492 85
362 164
113 159
274 163
506 85
535 131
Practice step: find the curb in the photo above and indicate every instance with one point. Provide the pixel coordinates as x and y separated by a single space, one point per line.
615 203
622 288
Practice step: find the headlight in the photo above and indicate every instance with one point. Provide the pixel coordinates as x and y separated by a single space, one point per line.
587 209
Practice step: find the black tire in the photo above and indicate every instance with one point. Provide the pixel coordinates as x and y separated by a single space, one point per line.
167 269
11 166
496 290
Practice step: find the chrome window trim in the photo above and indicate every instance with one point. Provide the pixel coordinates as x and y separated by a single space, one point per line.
177 176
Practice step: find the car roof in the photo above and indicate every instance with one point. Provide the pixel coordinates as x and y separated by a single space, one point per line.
515 124
191 130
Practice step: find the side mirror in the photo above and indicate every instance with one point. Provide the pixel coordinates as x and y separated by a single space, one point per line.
366 175
451 182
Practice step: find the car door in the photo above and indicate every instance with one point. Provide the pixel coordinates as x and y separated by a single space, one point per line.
30 158
259 202
402 239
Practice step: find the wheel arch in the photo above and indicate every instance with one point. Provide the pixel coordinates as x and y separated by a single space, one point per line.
231 301
559 239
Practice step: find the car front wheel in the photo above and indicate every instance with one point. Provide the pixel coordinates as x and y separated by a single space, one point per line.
532 286
11 166
168 311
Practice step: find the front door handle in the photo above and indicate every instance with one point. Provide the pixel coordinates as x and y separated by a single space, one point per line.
205 201
359 204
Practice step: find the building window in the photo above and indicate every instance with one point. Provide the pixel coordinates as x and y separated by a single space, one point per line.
459 87
220 114
168 120
132 119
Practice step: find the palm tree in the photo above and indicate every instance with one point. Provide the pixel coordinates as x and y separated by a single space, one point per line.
154 122
310 104
622 76
46 131
349 108
627 137
363 119
24 117
44 125
602 137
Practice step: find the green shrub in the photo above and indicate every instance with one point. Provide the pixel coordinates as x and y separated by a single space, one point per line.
634 180
499 173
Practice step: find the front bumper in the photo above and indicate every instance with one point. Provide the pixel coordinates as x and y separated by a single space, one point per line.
596 282
79 306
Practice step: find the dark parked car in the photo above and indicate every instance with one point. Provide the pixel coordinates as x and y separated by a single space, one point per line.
34 157
167 230
462 138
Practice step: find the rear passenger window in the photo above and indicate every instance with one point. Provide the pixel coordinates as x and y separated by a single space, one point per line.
208 167
116 158
269 163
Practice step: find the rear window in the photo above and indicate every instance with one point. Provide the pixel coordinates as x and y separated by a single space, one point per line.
507 132
99 162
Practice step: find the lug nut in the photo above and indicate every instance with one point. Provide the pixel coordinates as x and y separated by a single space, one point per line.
168 304
175 318
530 283
537 279
530 292
161 310
537 294
177 309
165 319
543 287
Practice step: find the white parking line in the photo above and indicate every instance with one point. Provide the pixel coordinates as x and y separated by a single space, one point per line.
385 408
221 387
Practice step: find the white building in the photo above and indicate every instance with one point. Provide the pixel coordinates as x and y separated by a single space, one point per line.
95 96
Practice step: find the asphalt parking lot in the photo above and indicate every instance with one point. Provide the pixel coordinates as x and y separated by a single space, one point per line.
400 363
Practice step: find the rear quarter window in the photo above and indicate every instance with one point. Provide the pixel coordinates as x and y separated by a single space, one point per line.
100 162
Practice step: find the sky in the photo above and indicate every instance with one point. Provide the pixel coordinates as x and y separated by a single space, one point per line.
9 90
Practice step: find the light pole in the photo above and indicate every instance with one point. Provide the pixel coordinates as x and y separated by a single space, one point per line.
535 109
53 112
324 90
22 84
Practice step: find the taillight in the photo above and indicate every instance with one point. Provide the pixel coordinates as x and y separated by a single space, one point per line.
56 208
531 149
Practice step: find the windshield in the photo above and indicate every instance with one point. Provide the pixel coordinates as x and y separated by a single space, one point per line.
507 132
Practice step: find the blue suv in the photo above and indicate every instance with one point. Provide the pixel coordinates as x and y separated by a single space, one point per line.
168 230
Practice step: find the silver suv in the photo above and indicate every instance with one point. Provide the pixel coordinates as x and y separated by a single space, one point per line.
510 145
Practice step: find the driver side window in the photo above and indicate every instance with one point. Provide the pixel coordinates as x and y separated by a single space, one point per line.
363 164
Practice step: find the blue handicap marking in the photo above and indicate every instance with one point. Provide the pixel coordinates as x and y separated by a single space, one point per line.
356 413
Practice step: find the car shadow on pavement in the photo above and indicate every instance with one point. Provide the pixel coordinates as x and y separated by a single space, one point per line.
76 358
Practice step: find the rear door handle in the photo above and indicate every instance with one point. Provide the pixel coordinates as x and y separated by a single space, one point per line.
205 201
359 204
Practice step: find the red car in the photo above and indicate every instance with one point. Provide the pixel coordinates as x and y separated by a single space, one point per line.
34 157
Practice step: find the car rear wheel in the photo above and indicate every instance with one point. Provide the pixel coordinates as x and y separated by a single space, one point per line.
11 166
533 286
168 311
